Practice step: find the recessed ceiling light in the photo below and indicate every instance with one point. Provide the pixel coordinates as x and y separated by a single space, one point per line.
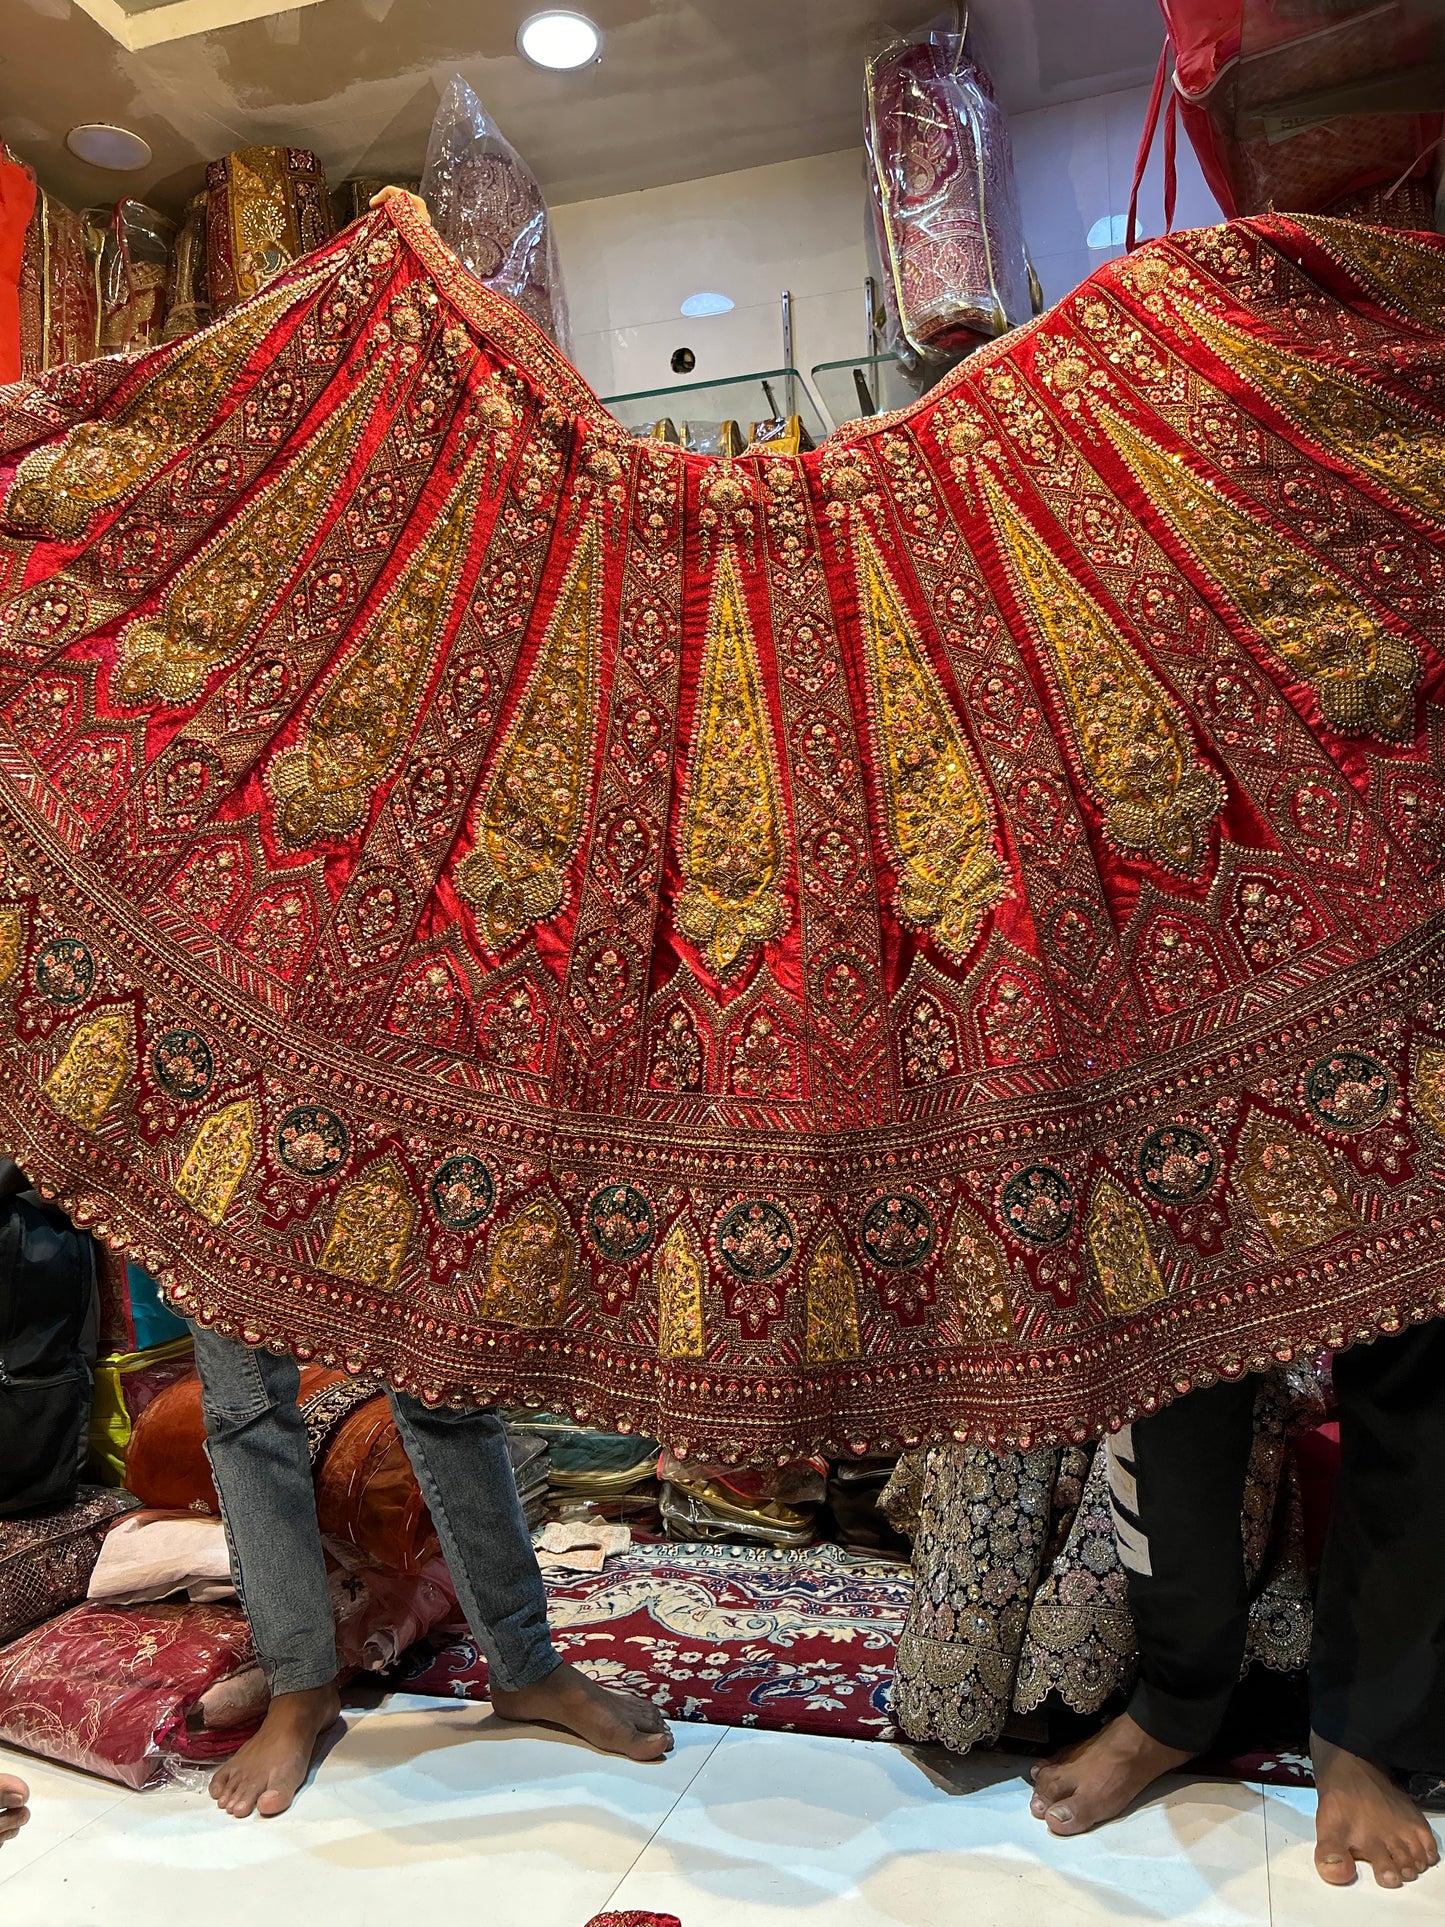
700 304
559 38
116 148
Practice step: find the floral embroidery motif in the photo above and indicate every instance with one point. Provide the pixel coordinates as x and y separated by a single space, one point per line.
372 1228
1401 450
1295 1194
312 1141
1118 1240
756 1239
1428 1088
1038 1205
183 1064
12 940
1177 1164
977 1275
62 489
677 1055
897 1231
222 1152
620 1222
1349 1090
1132 742
938 820
211 608
65 971
1324 628
529 1278
832 1288
531 813
681 1273
462 1192
365 714
731 844
97 1061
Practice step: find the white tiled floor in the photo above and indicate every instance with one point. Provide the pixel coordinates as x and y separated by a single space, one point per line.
427 1812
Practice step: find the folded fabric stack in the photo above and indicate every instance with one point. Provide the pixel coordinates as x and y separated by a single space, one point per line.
46 1562
737 1635
144 1347
759 1505
613 1474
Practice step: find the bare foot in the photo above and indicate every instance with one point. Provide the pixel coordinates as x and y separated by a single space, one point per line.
1097 1780
267 1773
13 1810
1363 1815
612 1722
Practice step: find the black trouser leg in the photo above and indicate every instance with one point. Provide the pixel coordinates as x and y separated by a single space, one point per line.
1178 1485
1377 1667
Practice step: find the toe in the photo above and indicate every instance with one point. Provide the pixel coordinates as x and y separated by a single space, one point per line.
1065 1820
1333 1860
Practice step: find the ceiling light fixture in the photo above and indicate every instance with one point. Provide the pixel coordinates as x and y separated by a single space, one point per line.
701 304
559 38
115 148
1109 231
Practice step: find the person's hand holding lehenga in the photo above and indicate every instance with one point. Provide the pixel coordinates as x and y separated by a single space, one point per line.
14 1811
418 206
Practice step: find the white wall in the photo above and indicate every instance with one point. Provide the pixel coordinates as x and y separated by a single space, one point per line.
631 260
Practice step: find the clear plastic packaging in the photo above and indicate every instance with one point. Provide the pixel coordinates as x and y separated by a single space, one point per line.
945 204
131 244
486 205
188 305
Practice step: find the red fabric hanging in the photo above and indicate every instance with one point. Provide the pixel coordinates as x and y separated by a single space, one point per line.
17 204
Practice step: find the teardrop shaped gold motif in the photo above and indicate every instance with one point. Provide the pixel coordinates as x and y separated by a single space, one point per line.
1132 742
1321 627
361 722
937 816
732 822
209 610
529 821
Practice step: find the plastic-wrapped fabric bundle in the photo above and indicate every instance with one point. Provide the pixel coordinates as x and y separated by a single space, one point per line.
58 311
266 207
132 244
486 205
1296 104
188 300
945 206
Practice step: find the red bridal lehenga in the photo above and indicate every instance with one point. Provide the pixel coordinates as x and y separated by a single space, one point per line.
937 935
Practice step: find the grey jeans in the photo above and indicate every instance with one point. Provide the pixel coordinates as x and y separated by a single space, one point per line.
256 1442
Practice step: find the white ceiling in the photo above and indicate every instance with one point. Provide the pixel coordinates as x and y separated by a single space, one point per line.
685 88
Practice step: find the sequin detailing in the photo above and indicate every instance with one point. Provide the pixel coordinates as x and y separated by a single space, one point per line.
1118 1240
221 1155
756 1239
1348 1090
1132 742
183 1064
1177 1164
529 1277
1038 1205
1295 1193
832 1287
620 1222
462 1193
681 1274
97 1061
939 825
1324 628
312 1141
977 1275
731 843
372 1227
897 1231
531 812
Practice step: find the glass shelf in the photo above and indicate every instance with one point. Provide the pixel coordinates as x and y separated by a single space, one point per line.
888 381
741 399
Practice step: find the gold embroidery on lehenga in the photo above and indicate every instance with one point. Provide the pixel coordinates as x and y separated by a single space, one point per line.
1407 275
1295 1194
1375 432
222 1153
1428 1088
681 1270
1133 743
374 1218
367 708
832 1288
1363 676
97 1061
531 813
529 1277
731 851
59 490
12 934
1118 1237
938 820
203 622
977 1274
